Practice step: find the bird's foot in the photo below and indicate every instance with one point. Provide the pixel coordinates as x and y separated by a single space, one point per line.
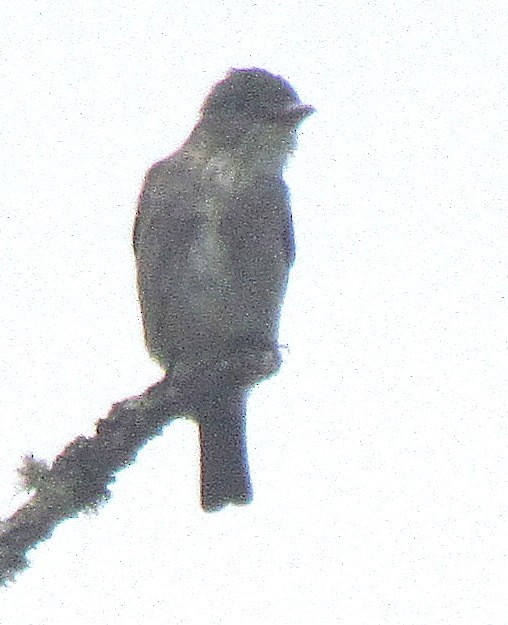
246 368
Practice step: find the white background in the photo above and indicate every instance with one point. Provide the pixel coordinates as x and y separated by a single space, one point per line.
379 454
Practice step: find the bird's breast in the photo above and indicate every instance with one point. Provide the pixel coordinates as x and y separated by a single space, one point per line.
209 254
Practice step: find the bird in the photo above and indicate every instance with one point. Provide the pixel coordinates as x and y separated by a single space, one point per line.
213 243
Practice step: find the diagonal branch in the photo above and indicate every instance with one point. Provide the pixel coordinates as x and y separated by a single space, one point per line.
79 477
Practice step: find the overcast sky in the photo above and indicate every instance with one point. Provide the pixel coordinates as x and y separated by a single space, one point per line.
379 454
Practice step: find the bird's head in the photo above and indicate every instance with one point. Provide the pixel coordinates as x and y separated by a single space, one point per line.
253 115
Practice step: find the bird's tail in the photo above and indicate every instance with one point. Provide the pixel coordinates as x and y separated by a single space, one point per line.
224 466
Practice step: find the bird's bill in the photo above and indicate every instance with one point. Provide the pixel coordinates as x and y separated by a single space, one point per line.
295 113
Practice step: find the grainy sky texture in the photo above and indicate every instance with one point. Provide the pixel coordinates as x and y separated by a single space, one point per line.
379 454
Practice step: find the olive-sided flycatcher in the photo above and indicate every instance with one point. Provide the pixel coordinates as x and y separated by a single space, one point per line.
213 241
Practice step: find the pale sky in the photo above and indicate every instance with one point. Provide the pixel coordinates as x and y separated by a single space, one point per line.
379 454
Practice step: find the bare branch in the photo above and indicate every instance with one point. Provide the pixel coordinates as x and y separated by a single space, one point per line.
79 477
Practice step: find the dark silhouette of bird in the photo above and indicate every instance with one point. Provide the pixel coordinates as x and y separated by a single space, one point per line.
213 241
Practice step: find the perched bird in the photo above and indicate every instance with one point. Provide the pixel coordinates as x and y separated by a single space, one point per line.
213 241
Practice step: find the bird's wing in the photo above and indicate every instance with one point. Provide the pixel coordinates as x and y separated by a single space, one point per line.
258 234
261 225
164 230
165 206
276 194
